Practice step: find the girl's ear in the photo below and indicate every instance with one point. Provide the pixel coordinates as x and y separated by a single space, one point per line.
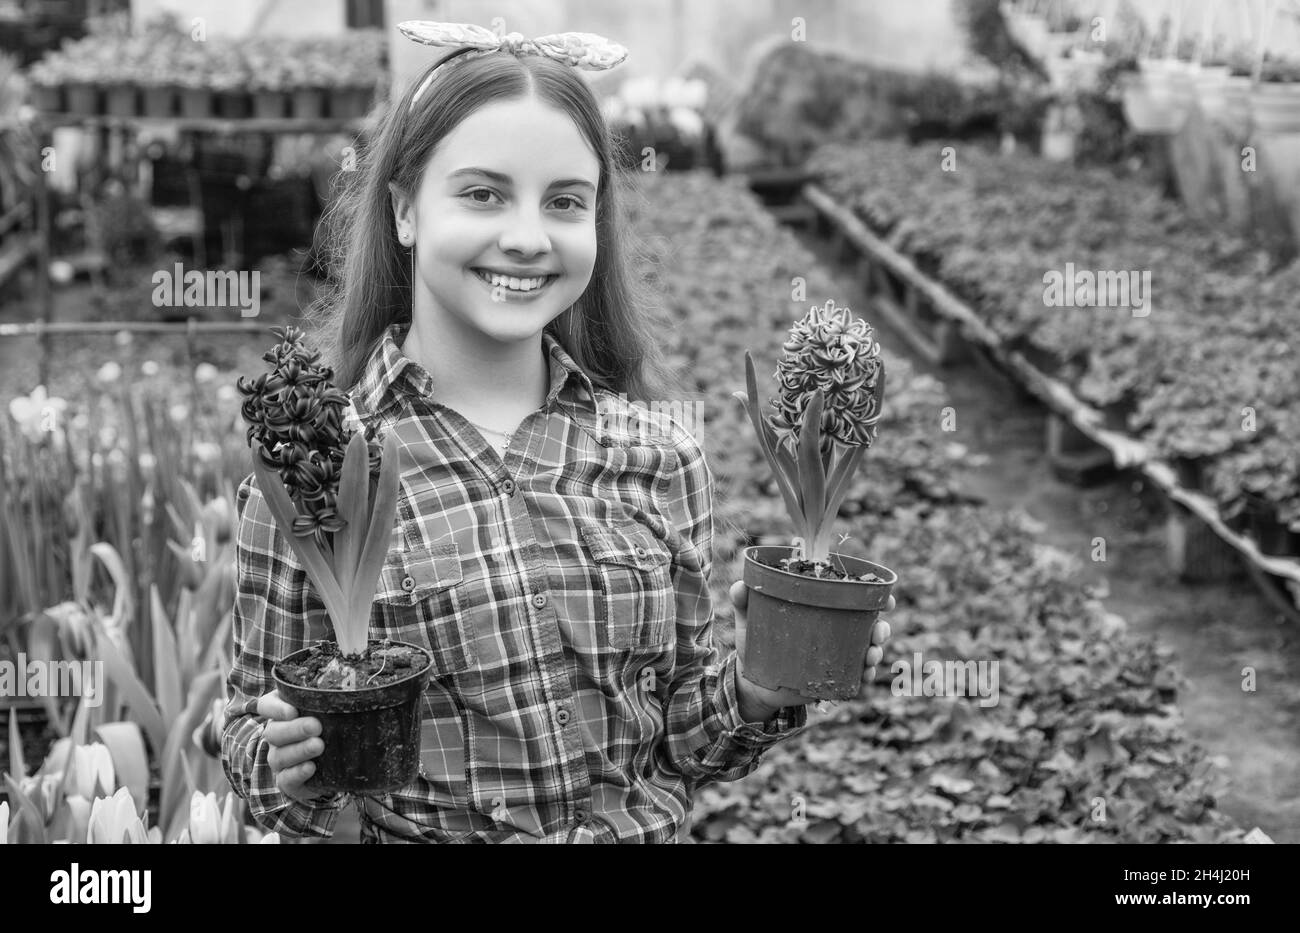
402 206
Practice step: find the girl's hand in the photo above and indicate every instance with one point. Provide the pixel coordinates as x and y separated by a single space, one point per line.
294 743
756 698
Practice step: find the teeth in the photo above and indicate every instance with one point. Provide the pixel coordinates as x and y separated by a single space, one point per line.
515 284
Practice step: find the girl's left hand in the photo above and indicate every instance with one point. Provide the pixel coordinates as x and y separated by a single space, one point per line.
772 700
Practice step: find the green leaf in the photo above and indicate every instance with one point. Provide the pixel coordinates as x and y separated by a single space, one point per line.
783 471
137 698
43 648
812 476
379 533
166 661
112 560
354 509
839 488
306 548
173 809
27 807
16 763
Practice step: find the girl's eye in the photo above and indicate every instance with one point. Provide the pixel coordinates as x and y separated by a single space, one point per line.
470 194
576 204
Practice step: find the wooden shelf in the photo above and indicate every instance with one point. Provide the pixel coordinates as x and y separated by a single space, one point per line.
220 125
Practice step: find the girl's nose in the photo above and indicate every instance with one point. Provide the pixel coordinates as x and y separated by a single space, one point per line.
525 233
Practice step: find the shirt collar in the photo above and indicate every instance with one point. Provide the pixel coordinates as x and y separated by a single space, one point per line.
386 367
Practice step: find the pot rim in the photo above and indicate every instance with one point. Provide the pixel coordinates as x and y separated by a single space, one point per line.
335 691
799 576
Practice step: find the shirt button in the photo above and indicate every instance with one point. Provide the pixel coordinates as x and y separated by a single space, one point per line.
580 814
539 600
408 583
640 552
562 716
508 487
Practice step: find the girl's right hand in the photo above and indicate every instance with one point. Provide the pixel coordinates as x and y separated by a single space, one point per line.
294 742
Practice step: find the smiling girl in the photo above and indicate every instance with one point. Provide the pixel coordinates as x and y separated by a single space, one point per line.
555 567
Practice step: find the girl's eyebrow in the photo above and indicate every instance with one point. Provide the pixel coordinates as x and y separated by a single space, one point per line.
501 179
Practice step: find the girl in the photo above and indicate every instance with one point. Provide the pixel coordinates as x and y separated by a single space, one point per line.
553 543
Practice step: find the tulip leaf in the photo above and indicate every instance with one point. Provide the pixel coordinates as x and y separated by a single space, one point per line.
353 509
215 596
27 807
17 765
306 548
42 648
184 634
134 694
166 660
112 560
174 801
379 534
125 743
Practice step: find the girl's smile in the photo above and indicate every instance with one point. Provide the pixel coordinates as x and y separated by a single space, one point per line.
514 287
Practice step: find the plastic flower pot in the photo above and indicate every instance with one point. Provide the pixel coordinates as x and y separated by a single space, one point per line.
47 97
120 100
371 735
269 105
159 101
196 103
1150 103
807 634
308 103
349 103
233 105
1210 85
83 100
1190 472
1261 524
1275 108
1235 116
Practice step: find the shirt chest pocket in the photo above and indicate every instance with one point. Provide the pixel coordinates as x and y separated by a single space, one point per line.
419 601
636 605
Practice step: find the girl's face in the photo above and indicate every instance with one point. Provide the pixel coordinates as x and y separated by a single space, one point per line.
504 222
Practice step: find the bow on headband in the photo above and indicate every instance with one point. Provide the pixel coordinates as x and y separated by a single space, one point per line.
580 49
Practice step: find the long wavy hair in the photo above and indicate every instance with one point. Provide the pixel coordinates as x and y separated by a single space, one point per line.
609 331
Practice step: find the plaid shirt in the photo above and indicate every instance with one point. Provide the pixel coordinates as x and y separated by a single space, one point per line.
577 693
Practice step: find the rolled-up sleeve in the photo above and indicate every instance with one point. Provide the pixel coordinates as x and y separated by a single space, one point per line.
276 613
706 740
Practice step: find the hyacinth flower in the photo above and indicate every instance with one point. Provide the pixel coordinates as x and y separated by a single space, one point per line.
832 387
331 490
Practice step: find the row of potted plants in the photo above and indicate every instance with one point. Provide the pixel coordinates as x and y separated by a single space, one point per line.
1212 340
163 72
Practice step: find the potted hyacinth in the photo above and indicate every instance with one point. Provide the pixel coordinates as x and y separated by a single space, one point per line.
811 611
333 495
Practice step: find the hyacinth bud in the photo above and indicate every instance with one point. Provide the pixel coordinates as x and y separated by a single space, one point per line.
833 351
295 419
